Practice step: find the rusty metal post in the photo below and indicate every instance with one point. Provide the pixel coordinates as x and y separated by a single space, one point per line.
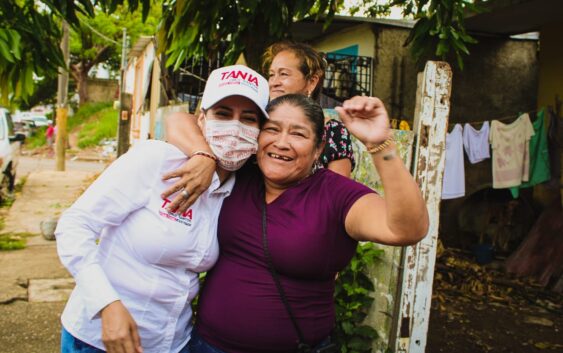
415 289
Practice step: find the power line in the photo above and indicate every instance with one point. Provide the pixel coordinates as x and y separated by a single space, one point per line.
101 35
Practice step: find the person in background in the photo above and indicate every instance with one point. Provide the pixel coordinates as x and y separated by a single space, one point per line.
288 228
50 136
134 289
294 67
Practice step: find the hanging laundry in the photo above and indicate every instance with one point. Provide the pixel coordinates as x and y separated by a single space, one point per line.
476 142
511 159
539 156
453 184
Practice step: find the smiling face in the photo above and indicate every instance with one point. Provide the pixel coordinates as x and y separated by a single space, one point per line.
287 146
285 76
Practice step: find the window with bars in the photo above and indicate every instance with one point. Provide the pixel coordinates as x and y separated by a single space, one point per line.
347 76
189 80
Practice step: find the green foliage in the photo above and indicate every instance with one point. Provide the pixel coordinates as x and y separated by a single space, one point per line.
98 39
103 125
13 241
440 27
37 138
85 112
43 93
30 33
19 185
28 47
197 28
353 302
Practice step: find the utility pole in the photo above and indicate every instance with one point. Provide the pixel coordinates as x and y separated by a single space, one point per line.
62 103
124 104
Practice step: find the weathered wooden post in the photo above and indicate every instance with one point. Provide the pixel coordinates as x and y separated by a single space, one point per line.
415 288
62 103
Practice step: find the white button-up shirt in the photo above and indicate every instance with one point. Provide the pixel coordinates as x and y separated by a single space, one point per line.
147 257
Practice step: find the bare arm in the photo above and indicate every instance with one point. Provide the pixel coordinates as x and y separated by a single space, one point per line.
196 174
341 166
401 218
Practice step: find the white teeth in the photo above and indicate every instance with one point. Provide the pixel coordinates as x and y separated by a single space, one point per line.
277 156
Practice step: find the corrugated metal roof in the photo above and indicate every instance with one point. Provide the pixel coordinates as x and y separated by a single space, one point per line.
308 29
139 46
510 17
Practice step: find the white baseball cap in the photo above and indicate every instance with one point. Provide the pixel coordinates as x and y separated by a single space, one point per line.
236 80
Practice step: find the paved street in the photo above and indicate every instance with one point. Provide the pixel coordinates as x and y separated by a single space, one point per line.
32 164
26 324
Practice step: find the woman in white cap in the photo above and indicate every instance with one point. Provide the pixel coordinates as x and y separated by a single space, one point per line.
136 264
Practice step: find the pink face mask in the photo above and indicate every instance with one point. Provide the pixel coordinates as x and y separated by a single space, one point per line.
231 141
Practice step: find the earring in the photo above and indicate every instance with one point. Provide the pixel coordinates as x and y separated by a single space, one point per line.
316 166
308 94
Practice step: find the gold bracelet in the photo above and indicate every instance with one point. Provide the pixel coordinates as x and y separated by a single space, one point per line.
380 147
204 154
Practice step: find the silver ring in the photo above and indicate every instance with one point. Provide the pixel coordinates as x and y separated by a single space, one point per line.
185 194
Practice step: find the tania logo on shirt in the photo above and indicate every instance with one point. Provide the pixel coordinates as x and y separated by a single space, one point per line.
184 218
239 74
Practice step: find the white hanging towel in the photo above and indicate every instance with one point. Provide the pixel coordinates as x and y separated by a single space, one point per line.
511 151
453 185
476 142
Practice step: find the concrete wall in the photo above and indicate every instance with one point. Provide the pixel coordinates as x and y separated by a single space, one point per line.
550 86
360 35
500 79
551 65
395 72
101 90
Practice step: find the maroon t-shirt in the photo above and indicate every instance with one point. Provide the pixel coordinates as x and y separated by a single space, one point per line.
240 310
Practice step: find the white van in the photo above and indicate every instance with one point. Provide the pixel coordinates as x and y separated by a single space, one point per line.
10 144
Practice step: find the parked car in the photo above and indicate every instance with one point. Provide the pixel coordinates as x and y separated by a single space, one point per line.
10 144
26 128
39 120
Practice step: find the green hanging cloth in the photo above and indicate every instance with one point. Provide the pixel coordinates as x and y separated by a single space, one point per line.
539 156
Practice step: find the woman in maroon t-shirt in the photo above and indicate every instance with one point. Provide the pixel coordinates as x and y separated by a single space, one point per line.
312 222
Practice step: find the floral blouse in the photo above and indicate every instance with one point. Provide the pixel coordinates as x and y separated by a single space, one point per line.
338 143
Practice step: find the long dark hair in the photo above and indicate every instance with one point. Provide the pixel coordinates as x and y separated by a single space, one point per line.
311 109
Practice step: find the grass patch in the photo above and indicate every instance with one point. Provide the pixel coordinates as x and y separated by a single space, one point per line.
20 183
102 125
8 201
37 139
13 241
85 112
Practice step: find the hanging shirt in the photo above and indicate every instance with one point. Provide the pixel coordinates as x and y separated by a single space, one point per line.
510 146
476 142
147 257
453 185
539 156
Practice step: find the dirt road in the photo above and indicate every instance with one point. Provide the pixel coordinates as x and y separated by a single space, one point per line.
30 305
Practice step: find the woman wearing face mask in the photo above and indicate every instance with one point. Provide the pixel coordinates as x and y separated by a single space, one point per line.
294 68
134 289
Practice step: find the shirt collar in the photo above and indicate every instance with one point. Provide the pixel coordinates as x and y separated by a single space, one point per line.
216 187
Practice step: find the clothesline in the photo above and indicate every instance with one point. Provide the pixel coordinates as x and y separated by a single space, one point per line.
512 118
